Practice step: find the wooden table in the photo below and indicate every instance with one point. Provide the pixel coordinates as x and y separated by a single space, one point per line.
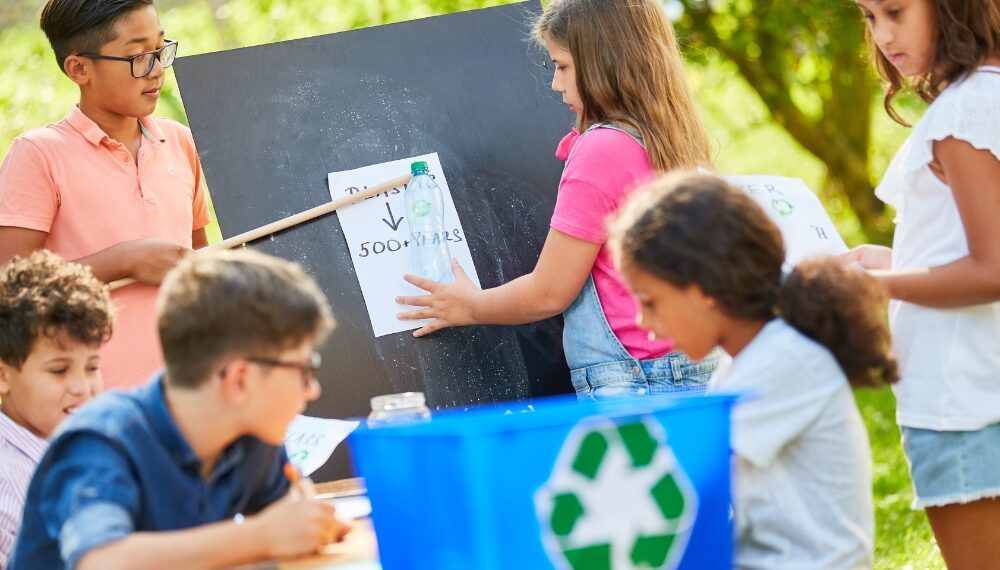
342 488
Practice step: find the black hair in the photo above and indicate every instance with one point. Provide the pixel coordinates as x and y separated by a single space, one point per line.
83 25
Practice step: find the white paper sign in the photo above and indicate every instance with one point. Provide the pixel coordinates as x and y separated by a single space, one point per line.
798 213
377 235
310 441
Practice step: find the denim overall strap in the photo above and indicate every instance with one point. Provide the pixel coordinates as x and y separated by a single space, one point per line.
636 135
588 340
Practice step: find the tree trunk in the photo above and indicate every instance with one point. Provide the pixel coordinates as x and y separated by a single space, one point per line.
840 134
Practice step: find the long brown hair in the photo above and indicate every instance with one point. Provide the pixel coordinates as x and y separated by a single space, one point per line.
690 229
629 72
967 32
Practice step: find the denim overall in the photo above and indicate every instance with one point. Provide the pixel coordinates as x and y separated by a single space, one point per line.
600 367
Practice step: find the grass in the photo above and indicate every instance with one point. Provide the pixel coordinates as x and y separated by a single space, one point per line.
33 93
903 538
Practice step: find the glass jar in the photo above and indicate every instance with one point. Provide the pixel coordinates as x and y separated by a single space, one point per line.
394 409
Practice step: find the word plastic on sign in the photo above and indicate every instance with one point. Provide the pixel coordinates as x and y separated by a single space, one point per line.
378 238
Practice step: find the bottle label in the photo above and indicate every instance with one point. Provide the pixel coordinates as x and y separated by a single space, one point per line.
421 208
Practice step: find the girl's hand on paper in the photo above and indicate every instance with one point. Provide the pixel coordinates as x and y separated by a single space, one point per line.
292 527
869 257
449 304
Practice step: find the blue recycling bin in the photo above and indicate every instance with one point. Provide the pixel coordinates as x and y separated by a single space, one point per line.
639 483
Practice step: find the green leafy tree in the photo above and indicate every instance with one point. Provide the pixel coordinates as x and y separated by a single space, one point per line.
244 22
806 61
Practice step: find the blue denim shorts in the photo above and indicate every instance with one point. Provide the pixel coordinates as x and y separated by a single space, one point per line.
949 467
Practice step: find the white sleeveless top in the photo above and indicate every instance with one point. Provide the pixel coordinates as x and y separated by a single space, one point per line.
949 358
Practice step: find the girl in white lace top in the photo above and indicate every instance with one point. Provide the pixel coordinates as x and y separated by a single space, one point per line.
943 271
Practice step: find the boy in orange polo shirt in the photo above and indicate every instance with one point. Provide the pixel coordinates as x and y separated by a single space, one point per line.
109 186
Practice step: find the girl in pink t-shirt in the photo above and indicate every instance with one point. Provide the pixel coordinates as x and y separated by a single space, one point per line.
618 68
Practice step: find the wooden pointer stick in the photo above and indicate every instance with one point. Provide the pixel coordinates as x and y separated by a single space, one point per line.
294 219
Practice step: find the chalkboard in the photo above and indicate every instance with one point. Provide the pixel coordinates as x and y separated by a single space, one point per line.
271 121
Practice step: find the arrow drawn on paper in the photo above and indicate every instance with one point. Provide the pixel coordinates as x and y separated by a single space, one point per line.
394 224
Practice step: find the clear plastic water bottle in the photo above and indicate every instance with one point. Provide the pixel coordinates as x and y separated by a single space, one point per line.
428 234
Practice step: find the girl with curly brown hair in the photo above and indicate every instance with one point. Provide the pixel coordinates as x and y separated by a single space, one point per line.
704 264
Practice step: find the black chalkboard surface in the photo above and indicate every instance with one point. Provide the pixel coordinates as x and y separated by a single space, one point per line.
271 121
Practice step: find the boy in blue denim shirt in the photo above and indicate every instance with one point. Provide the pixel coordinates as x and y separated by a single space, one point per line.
187 471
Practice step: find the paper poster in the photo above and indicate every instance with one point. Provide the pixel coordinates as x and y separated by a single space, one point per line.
805 226
310 441
377 235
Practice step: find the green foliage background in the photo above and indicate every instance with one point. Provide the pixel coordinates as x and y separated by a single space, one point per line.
34 92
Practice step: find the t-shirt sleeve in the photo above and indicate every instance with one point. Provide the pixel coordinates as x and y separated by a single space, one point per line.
783 399
603 165
959 113
28 194
91 496
581 211
764 426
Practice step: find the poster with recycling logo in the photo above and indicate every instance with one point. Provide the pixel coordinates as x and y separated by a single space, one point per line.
805 225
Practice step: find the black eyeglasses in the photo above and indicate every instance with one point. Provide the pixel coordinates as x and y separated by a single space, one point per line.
142 64
307 370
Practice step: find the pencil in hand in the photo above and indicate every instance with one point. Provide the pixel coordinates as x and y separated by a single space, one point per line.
303 486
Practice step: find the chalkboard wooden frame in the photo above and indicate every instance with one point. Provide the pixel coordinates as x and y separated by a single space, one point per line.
271 121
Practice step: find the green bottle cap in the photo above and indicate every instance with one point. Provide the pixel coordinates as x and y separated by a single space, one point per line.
419 168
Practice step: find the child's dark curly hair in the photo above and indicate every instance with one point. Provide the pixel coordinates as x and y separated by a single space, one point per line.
44 295
690 229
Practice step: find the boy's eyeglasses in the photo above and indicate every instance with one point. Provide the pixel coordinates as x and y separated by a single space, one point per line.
307 370
142 64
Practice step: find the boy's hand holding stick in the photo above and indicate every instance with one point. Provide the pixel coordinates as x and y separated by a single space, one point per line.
295 219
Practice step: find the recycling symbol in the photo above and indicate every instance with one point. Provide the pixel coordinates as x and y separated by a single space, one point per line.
616 499
783 207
